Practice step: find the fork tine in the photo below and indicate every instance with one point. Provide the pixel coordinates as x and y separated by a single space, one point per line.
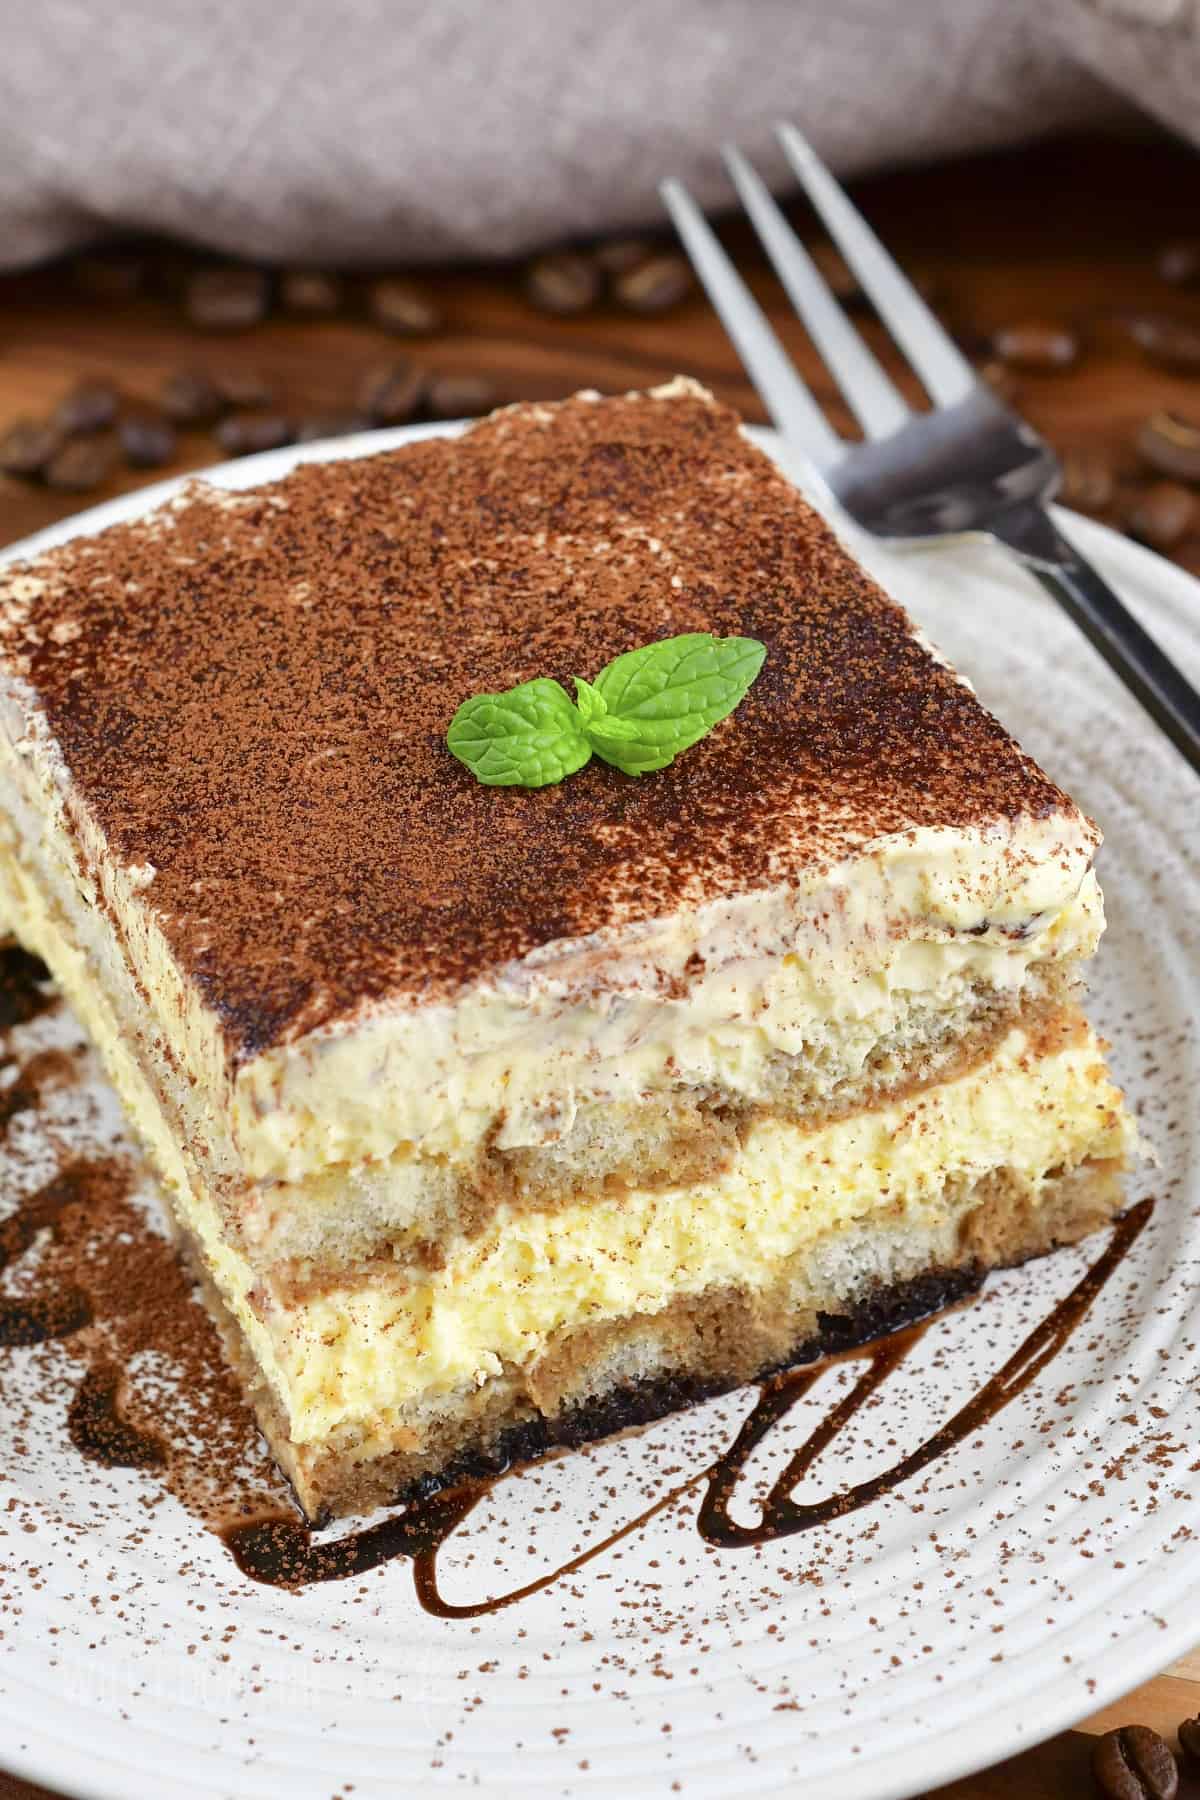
768 365
877 403
945 373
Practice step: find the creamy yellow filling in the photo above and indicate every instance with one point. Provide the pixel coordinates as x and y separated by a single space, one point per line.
357 1356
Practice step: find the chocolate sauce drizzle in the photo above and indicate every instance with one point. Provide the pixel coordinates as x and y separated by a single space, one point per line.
782 1516
99 1429
282 1551
23 980
57 1312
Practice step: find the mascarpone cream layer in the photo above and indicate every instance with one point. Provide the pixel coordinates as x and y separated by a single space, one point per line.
356 1358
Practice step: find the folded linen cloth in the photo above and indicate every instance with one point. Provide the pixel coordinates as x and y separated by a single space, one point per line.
392 130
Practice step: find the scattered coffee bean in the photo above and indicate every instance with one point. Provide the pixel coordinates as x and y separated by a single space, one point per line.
616 255
1171 445
562 284
392 393
654 286
226 299
1172 343
1163 515
83 463
28 446
89 407
148 442
242 388
1036 346
245 433
109 274
838 274
1134 1763
172 270
316 293
331 425
1179 263
459 396
1189 1741
1087 480
402 307
190 397
977 347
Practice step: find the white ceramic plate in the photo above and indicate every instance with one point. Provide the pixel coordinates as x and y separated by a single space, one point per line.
1039 1570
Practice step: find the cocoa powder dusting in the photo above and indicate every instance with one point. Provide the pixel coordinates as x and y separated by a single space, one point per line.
251 694
90 1285
154 1392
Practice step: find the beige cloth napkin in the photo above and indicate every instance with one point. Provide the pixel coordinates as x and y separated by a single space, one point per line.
378 130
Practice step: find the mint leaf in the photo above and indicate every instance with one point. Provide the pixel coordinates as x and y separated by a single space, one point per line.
601 726
590 701
527 737
672 693
638 714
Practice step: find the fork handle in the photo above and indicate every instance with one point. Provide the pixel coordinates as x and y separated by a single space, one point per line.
1149 674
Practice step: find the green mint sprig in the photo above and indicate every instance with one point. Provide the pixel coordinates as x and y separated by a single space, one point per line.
641 711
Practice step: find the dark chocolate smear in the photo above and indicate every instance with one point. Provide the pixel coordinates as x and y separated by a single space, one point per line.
99 1429
58 1311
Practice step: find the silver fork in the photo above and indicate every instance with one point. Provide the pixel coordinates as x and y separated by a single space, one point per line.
967 465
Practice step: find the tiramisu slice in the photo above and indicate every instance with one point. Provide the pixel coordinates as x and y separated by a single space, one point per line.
492 1117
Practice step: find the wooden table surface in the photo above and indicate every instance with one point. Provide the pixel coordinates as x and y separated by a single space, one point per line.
1067 234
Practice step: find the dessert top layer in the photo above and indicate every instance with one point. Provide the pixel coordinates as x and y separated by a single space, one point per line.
250 695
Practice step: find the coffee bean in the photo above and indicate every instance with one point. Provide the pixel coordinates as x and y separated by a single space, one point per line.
331 425
1134 1764
1171 445
459 396
316 293
83 463
246 433
1087 480
1163 515
171 271
226 299
392 393
1189 1741
190 397
1169 342
148 442
402 307
615 255
28 446
88 407
654 286
109 274
1036 346
240 388
1179 263
562 284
